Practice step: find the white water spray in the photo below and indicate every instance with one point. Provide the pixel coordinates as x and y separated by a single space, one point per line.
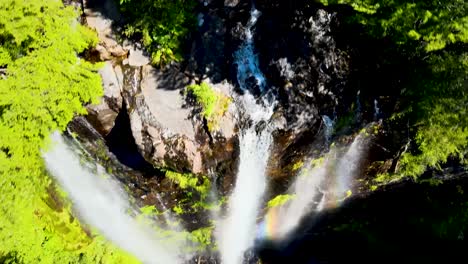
318 186
238 229
307 197
348 165
376 109
102 203
328 128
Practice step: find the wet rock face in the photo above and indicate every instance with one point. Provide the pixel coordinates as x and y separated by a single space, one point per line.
300 57
307 70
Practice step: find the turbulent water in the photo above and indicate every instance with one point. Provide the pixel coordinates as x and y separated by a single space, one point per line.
247 60
101 202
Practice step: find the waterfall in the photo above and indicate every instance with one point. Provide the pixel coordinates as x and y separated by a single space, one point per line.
308 195
358 106
348 165
376 109
328 128
102 203
322 184
238 229
237 233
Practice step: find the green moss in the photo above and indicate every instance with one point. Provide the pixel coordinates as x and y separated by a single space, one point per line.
280 200
296 166
317 162
203 237
196 190
178 209
214 104
187 181
149 210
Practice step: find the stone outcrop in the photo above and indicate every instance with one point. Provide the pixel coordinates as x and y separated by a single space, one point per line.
103 115
170 132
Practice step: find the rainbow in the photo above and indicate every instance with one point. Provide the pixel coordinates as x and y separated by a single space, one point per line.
269 227
266 230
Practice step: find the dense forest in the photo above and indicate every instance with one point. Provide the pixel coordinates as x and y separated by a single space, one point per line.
48 78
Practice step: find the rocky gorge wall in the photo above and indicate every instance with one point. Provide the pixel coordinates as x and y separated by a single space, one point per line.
309 73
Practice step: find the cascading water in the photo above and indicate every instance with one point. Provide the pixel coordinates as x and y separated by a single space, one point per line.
348 165
238 229
322 184
328 128
246 59
237 233
102 203
376 110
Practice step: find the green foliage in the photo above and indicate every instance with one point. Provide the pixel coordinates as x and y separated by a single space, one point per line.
189 180
296 166
433 35
439 113
160 24
43 87
200 240
434 24
195 190
215 104
203 237
149 210
280 200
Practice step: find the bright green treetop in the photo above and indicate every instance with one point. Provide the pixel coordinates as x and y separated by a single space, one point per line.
43 84
435 23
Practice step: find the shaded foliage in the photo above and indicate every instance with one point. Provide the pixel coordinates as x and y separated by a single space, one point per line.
433 99
160 24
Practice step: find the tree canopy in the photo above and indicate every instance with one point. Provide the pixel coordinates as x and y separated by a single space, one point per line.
160 24
43 84
434 24
434 36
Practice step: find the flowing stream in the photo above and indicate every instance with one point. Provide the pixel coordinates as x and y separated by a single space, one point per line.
102 203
